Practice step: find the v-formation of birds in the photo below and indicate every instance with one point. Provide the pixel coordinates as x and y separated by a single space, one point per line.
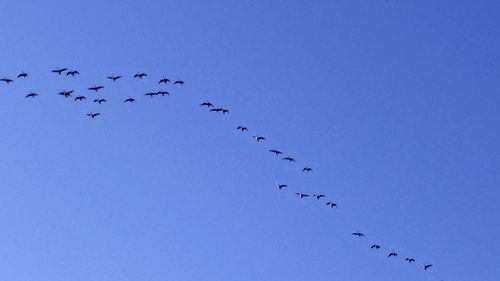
212 108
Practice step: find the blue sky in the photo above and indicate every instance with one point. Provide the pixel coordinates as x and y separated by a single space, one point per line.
394 105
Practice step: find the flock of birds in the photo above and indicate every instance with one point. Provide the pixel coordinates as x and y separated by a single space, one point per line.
211 108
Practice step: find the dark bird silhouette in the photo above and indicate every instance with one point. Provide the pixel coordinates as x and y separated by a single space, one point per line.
331 204
80 98
426 266
180 82
259 138
225 110
66 93
281 186
163 93
319 196
151 94
242 128
140 75
99 101
288 158
275 151
302 195
375 246
392 254
7 80
95 88
22 75
410 260
31 95
164 80
93 115
72 73
216 109
114 78
207 104
359 234
307 169
59 70
131 100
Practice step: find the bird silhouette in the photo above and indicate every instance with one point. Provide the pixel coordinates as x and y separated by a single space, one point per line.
31 95
129 99
218 109
319 196
242 128
95 88
80 98
302 195
375 246
59 70
163 93
392 254
114 78
359 234
151 94
180 82
22 75
66 93
99 101
410 260
140 75
7 80
331 204
275 151
281 186
307 169
164 80
207 104
72 73
426 266
93 115
259 138
289 159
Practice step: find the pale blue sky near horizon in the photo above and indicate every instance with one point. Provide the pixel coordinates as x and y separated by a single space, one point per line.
394 104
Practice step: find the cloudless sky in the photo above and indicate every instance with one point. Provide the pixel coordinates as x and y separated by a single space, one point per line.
394 104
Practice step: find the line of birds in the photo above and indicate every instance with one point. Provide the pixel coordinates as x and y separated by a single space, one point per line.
211 108
331 204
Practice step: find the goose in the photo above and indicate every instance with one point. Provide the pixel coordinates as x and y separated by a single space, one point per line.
59 70
114 78
93 115
95 88
130 99
140 75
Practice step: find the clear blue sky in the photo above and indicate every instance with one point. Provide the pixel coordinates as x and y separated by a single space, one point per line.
395 104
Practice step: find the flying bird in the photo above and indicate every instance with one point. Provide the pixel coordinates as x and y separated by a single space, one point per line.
80 98
22 75
288 158
375 246
426 266
281 186
359 234
95 88
258 138
180 82
163 93
410 260
114 78
392 254
275 151
151 94
93 115
307 169
7 80
72 73
319 196
207 104
216 109
331 204
302 195
242 128
131 100
59 70
66 93
140 75
164 80
99 101
31 95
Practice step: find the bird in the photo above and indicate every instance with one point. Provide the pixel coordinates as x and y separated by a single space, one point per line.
275 151
163 93
180 82
319 196
225 110
359 234
307 169
331 204
302 195
164 80
72 73
114 78
80 98
288 158
99 101
31 95
93 115
140 75
392 254
130 99
207 104
426 266
280 186
22 75
66 93
242 128
410 260
258 138
7 80
95 88
151 94
218 109
59 70
375 246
